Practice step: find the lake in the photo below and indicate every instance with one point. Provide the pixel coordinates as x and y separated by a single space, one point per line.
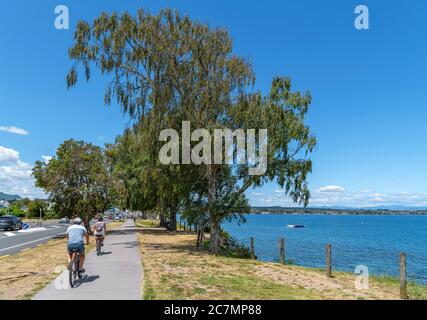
371 240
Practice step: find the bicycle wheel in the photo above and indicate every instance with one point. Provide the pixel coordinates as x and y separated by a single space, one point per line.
73 269
98 247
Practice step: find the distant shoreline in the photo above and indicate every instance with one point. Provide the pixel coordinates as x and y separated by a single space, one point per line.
333 211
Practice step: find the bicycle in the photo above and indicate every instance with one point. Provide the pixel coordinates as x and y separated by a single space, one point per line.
99 245
74 270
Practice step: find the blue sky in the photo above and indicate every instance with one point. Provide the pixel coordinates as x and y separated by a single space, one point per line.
368 86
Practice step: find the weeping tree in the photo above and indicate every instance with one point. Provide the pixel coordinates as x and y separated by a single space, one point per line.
76 180
166 68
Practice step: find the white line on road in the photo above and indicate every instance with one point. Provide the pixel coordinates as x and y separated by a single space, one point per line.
29 242
9 234
21 233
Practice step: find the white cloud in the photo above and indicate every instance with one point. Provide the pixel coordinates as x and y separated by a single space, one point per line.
46 159
338 196
16 175
14 130
8 155
331 189
257 194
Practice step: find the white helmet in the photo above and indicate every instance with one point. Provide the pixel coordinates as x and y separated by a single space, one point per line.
77 221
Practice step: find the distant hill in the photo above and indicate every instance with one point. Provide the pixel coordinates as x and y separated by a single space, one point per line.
8 197
391 207
385 210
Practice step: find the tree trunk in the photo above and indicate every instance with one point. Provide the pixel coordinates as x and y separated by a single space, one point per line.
162 220
215 237
202 236
199 238
212 186
172 225
86 223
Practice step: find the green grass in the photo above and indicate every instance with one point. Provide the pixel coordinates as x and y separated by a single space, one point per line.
241 286
174 270
415 291
147 223
149 293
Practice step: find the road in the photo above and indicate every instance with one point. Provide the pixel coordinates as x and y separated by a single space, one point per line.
17 241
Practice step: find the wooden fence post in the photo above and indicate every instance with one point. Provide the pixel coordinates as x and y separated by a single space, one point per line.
282 250
403 281
252 248
329 260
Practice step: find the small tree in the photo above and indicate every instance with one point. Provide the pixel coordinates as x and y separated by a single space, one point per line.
76 180
35 208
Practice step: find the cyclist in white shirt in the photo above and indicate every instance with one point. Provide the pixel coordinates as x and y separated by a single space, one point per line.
76 234
100 229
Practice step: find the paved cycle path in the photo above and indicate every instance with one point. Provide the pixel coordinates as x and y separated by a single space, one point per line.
116 275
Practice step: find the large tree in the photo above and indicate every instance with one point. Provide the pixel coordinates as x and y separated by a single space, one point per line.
76 180
169 69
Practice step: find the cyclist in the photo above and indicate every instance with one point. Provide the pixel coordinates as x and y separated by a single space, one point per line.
76 233
99 229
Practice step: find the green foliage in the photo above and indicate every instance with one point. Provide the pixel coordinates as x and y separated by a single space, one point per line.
34 208
52 215
76 179
167 68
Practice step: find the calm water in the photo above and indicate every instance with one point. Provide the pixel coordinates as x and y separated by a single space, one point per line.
373 241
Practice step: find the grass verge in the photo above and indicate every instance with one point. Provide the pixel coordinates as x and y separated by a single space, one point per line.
173 269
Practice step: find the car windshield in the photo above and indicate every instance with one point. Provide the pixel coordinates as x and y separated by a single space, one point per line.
4 219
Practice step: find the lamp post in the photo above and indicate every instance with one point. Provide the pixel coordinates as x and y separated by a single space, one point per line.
40 217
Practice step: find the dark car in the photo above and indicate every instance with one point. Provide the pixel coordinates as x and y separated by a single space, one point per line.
10 223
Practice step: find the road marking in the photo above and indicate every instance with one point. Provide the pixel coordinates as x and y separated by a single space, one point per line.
2 257
32 230
25 249
29 242
10 234
23 234
39 245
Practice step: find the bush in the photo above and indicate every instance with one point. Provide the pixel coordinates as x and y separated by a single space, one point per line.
19 214
51 215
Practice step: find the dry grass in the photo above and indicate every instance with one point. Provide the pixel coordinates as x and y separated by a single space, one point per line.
174 270
24 274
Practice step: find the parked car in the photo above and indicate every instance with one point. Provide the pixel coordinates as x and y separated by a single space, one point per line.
10 223
64 220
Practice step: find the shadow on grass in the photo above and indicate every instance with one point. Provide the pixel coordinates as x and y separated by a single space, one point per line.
188 246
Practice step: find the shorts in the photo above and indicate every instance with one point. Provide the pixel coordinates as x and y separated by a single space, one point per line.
76 247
